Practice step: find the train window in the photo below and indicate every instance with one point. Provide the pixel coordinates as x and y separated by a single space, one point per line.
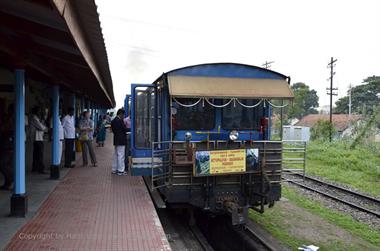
242 118
198 117
144 118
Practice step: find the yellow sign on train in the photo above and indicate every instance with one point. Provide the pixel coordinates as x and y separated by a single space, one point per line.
227 161
219 162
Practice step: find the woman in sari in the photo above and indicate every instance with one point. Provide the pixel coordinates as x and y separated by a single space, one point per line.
101 130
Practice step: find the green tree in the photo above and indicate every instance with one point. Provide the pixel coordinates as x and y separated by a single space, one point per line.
367 128
363 97
321 130
305 101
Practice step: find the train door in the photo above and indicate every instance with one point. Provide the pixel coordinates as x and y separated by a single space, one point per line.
144 127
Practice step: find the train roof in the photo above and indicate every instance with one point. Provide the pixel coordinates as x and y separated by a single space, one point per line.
227 80
231 70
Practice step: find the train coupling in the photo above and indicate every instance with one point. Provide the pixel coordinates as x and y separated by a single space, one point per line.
239 214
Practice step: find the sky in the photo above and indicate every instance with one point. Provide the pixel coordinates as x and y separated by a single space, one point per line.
145 38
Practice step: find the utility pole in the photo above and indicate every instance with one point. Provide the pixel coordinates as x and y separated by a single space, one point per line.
267 65
349 104
330 91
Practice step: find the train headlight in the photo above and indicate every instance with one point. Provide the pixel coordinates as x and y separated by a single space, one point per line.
234 135
188 136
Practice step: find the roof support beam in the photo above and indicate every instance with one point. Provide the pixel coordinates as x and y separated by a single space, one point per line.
25 26
34 13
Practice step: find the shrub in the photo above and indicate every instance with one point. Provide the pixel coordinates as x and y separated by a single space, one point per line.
321 131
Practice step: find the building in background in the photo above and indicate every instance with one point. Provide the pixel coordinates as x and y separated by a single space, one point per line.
342 122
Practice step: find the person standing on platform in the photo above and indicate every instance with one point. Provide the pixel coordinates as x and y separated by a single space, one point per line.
101 129
119 141
69 134
86 127
61 137
127 122
38 130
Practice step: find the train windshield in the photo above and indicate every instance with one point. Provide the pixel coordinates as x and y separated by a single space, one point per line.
191 114
242 118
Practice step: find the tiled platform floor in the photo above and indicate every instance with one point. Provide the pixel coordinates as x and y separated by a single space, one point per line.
92 209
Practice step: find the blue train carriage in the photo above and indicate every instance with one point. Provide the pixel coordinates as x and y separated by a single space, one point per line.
202 135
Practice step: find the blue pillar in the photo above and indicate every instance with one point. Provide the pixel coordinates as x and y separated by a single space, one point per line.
90 110
54 169
19 200
126 105
82 105
95 116
74 104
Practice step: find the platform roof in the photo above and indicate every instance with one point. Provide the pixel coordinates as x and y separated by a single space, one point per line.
58 42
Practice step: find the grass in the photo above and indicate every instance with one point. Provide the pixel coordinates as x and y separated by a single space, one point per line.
274 220
342 220
359 168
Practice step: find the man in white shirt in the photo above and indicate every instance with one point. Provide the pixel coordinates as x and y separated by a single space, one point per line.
38 130
61 136
69 134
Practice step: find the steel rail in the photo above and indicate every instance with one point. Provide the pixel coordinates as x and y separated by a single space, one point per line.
370 198
262 241
335 198
200 238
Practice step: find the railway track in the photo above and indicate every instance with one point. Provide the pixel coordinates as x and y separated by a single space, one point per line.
215 233
261 238
359 201
201 238
222 235
180 234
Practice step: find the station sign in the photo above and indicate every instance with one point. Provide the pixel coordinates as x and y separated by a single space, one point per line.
216 162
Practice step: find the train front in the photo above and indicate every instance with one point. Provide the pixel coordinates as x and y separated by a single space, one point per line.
216 153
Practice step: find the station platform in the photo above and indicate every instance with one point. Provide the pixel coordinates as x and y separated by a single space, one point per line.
92 209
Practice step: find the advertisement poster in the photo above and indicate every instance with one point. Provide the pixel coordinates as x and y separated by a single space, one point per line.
252 158
225 161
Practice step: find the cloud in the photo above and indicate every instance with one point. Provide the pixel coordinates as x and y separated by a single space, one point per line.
145 38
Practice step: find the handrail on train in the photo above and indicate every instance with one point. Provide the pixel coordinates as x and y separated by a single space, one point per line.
161 159
293 158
